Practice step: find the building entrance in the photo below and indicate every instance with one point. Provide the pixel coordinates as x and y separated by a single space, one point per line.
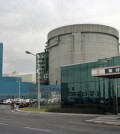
111 73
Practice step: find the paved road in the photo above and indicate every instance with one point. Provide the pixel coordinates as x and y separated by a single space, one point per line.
32 123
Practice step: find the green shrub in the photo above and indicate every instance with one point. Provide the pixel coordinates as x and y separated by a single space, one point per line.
76 110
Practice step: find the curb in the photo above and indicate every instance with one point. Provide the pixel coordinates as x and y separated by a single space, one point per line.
115 123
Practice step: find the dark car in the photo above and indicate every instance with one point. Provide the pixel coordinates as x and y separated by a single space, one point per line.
23 104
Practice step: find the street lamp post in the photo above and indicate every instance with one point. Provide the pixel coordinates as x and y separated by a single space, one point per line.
39 92
19 88
38 78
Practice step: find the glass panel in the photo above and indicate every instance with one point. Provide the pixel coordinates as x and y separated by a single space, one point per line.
64 91
84 76
92 64
106 89
84 65
77 75
119 89
71 67
71 87
64 76
117 60
90 77
113 87
70 76
84 87
91 88
91 92
102 88
71 93
77 87
76 66
97 86
64 68
78 96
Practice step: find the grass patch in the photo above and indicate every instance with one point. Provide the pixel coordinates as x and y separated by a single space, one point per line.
65 110
76 110
33 109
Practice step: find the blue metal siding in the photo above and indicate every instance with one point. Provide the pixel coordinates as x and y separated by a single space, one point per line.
10 79
12 88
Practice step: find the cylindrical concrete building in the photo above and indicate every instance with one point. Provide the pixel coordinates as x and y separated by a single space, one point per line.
79 44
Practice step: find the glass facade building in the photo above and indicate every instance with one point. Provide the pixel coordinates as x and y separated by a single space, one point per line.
80 89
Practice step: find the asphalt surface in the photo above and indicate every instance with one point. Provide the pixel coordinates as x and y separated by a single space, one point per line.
13 122
107 120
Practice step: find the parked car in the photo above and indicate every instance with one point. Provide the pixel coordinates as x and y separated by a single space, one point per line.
7 101
18 101
1 101
23 104
54 101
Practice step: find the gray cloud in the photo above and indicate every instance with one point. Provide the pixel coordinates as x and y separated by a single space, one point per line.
24 25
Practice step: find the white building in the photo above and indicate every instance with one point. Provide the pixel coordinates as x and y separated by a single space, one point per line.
28 77
79 43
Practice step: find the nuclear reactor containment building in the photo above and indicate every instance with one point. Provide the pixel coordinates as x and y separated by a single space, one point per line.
79 43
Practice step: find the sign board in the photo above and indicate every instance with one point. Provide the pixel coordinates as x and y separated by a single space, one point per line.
106 71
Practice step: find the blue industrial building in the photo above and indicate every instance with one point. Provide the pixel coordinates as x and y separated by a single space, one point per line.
13 86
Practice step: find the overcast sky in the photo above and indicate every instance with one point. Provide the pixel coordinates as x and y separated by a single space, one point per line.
24 25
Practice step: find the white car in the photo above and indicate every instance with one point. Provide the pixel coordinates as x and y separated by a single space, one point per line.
18 101
7 101
54 101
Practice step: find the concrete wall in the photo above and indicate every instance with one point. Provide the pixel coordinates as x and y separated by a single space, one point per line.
79 44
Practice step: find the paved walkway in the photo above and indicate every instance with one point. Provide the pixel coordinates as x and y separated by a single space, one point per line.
106 119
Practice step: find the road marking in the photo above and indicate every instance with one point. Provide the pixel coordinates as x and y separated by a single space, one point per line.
38 129
3 124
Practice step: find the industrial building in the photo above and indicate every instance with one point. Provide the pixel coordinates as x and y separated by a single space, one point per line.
75 50
79 43
71 54
13 86
25 77
24 85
